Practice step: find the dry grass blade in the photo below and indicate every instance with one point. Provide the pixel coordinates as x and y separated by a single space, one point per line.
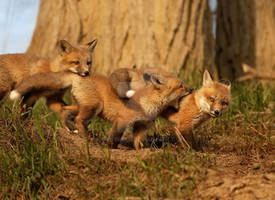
181 139
258 132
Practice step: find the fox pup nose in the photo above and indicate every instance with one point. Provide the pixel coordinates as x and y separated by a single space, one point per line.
86 73
217 113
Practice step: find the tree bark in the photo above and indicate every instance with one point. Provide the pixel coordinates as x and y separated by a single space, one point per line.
57 19
175 35
245 34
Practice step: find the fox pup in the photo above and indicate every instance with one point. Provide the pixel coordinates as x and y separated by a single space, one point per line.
94 96
211 100
126 81
14 68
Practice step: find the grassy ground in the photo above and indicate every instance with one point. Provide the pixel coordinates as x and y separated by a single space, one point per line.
38 163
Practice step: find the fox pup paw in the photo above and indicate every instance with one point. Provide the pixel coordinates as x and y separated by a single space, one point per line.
14 95
130 93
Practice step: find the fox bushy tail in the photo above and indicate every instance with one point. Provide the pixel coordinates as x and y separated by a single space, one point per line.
42 82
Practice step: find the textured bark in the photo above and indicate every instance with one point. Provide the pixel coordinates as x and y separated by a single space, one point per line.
57 19
245 34
173 34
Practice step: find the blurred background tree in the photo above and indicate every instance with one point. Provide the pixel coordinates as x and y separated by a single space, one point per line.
245 34
176 35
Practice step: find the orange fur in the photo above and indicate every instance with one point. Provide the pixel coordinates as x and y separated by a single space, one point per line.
190 112
94 95
211 100
18 67
125 79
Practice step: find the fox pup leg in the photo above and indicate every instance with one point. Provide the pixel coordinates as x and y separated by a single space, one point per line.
30 101
83 116
68 111
116 133
55 106
140 131
55 103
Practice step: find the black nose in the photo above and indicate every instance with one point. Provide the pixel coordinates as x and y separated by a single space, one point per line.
86 73
217 113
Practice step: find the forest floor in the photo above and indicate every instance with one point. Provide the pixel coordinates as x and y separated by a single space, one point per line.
232 176
235 157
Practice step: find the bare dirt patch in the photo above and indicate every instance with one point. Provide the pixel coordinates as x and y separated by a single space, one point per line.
234 176
237 177
79 144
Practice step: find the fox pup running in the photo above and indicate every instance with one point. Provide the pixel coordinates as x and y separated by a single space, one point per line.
17 67
211 100
94 96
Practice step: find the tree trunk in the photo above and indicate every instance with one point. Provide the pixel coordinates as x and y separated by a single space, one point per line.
57 19
245 34
173 34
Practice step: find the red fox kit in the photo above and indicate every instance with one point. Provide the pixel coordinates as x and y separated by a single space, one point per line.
211 100
16 67
94 96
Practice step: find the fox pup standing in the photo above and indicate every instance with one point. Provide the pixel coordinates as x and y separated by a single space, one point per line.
94 96
211 100
16 67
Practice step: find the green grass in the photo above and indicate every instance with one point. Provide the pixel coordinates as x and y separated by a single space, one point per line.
35 165
29 156
247 126
166 175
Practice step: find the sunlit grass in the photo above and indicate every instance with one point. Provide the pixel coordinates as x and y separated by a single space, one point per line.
34 165
29 156
247 125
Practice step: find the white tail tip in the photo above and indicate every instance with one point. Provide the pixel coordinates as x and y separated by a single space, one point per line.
130 93
14 95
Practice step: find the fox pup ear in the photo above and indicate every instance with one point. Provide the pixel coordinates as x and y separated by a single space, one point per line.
207 80
91 45
157 80
227 83
65 46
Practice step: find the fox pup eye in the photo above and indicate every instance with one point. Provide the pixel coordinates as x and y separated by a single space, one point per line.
75 62
211 99
224 103
89 62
